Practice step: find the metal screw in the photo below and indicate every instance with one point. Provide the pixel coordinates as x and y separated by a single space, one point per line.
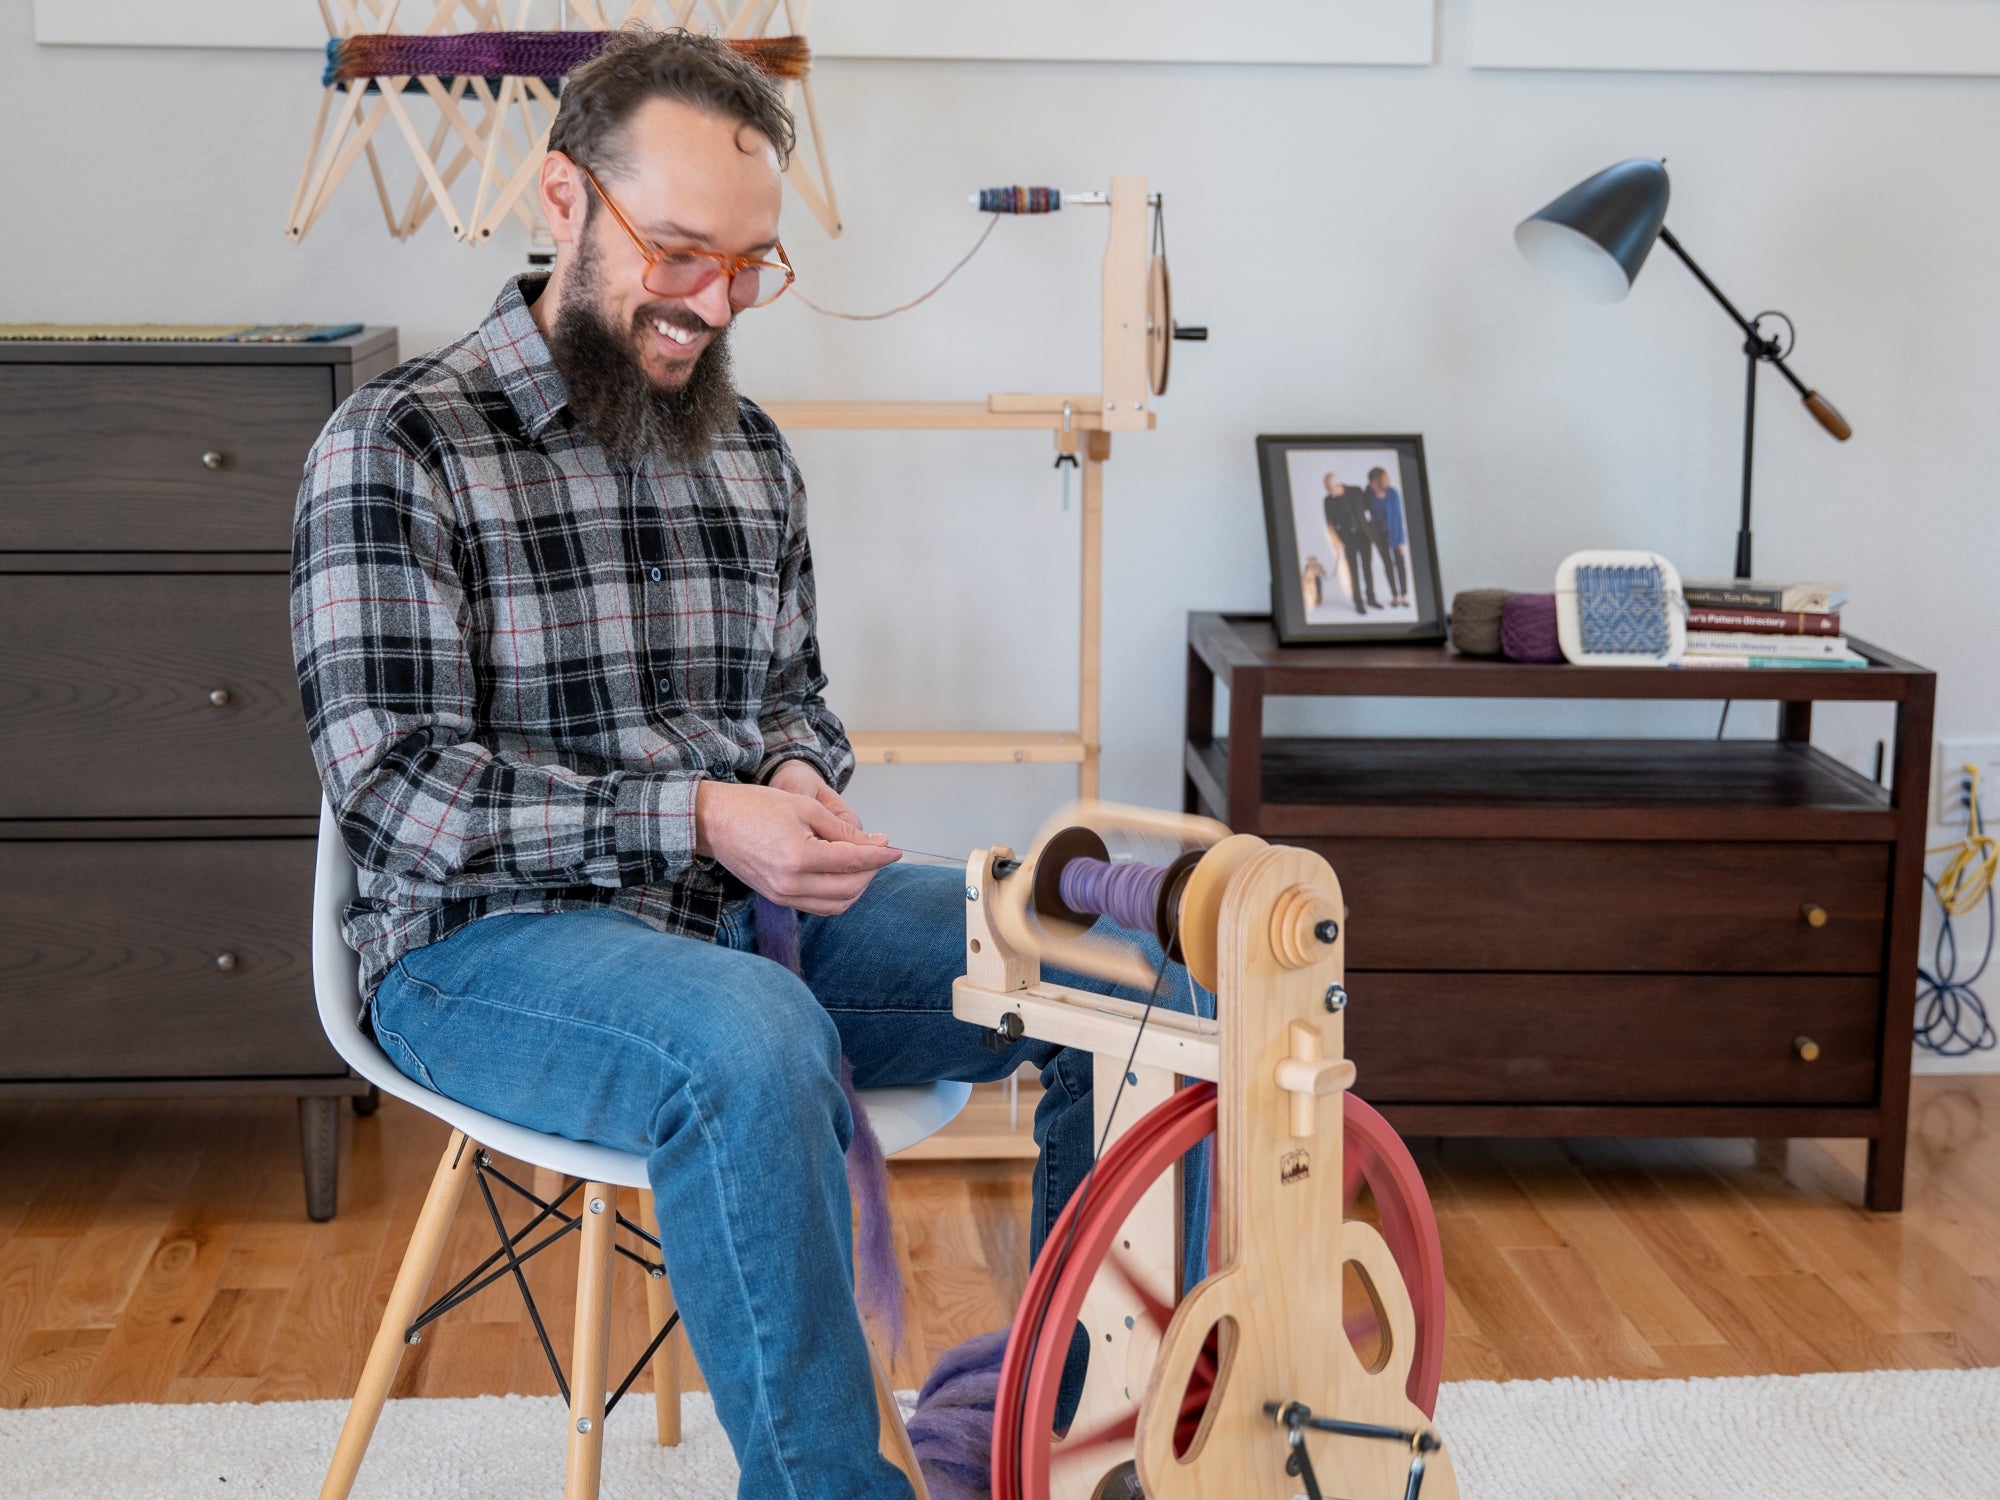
1327 931
413 1337
597 1205
484 1160
219 697
658 1273
211 460
583 1424
1336 997
1111 406
226 962
972 893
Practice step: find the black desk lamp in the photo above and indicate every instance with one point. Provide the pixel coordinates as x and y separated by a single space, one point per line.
1593 240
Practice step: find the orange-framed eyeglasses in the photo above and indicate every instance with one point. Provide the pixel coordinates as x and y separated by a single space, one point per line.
682 273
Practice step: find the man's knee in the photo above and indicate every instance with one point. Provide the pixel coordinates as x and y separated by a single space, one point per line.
771 1049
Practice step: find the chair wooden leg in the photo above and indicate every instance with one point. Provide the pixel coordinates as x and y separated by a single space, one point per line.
895 1441
412 1280
591 1348
667 1358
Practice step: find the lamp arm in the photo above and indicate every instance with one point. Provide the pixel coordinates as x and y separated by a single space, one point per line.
1822 409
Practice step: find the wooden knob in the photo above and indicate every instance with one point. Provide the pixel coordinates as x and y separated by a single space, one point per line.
1825 414
1814 913
220 697
1806 1047
226 962
1307 1076
1301 918
211 460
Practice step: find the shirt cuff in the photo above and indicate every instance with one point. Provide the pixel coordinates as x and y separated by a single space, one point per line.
810 754
653 826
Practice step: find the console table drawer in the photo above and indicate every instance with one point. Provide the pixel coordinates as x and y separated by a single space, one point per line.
1608 905
1612 1039
158 959
152 458
109 692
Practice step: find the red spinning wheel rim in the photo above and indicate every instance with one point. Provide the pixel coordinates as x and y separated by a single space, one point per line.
1374 1154
1134 1162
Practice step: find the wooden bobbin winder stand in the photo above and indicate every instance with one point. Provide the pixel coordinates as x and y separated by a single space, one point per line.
1256 1385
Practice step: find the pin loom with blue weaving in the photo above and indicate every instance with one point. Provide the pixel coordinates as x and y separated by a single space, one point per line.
1620 609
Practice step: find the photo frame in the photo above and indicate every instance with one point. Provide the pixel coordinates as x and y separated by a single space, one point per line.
1353 552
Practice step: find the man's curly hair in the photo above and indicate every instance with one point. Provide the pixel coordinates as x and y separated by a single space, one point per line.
638 64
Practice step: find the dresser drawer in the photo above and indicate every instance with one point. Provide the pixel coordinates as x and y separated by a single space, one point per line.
1612 1039
108 698
1591 905
155 458
158 959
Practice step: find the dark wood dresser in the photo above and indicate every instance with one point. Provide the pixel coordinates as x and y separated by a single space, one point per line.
157 797
1597 936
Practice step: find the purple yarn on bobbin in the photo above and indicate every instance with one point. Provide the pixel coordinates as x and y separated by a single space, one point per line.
1528 628
1128 892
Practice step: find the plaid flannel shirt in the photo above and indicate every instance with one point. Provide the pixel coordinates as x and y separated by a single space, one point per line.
518 657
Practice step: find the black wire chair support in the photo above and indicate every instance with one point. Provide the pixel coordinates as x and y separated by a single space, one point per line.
509 1260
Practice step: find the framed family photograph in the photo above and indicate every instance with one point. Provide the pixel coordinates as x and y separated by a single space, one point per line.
1353 556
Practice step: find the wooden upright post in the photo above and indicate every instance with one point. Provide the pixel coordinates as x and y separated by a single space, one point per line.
1096 449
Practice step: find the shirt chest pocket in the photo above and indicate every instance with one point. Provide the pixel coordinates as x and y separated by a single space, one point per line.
711 627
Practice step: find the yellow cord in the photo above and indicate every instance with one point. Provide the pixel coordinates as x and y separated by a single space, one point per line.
1968 875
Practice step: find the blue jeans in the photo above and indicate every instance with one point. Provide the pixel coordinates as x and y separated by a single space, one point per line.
723 1069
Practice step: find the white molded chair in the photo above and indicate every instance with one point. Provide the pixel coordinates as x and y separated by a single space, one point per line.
901 1118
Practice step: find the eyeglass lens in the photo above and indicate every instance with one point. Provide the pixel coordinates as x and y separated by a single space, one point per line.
684 275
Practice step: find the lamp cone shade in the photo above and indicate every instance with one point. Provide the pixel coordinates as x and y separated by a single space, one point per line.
1595 237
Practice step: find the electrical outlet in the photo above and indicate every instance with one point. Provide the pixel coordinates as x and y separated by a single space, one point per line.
1951 784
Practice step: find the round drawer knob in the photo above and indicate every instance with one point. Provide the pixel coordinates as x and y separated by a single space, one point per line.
220 697
226 962
211 459
1814 913
1806 1047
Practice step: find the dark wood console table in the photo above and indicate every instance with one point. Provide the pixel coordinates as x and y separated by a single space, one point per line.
1691 937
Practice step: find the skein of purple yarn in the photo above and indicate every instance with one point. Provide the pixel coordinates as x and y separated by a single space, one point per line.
1528 628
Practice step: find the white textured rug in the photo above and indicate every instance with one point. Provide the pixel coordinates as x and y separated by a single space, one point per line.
1933 1434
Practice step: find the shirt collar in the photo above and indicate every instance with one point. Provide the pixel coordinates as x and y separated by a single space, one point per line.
518 355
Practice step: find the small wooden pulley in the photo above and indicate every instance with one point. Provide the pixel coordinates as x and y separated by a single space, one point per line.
1161 329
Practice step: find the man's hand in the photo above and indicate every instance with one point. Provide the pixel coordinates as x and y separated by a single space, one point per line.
795 850
798 777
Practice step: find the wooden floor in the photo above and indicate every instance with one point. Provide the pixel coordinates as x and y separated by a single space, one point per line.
160 1252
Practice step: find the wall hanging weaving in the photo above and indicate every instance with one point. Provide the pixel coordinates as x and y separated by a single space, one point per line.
486 93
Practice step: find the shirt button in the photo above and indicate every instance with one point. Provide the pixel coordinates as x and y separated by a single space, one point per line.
655 575
666 687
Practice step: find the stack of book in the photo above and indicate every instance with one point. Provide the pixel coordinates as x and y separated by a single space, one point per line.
1745 622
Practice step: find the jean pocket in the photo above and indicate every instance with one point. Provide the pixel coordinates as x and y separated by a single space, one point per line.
406 1060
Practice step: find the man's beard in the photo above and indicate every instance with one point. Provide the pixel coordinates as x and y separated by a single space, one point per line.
610 392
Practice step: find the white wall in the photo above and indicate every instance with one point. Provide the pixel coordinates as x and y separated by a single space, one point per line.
152 184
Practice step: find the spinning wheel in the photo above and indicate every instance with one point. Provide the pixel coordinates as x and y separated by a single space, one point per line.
1093 1460
1308 1307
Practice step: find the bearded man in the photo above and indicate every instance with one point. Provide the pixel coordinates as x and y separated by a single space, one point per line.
553 616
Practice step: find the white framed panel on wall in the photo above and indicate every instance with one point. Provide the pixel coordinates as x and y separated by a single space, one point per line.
1392 32
1740 36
